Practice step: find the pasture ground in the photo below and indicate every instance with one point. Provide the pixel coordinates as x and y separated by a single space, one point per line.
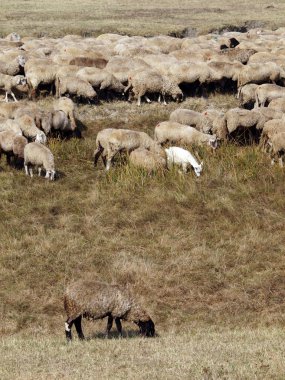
205 256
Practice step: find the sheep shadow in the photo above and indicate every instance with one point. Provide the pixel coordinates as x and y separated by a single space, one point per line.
115 335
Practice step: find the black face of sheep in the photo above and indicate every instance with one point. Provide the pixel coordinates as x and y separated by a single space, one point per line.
146 328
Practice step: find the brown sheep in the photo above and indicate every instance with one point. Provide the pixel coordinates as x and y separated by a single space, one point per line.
96 300
100 63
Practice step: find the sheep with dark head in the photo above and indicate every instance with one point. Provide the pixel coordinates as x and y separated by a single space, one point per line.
96 300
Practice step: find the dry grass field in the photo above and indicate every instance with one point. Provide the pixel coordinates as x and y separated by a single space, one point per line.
205 256
89 17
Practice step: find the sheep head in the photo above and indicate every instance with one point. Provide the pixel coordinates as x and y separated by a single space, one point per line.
21 60
198 169
146 328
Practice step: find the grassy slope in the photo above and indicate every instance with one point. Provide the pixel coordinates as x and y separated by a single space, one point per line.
207 250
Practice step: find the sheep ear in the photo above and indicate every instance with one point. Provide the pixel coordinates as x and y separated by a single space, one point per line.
202 163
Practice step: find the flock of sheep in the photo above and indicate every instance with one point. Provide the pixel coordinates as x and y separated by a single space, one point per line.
137 67
160 67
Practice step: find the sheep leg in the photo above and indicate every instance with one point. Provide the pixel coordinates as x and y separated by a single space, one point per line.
97 154
39 171
104 160
119 326
164 101
184 167
159 99
109 325
147 99
6 97
78 327
14 97
68 325
26 169
31 172
281 161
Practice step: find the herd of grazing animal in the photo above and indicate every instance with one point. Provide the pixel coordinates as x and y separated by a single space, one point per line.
250 65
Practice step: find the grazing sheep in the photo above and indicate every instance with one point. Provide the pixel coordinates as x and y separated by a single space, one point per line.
40 72
100 63
37 154
191 118
143 82
10 125
13 37
260 73
170 131
6 144
246 94
100 78
95 300
183 158
277 144
12 67
7 110
18 147
64 115
238 117
147 160
102 145
276 104
74 86
267 92
7 82
125 140
240 55
271 128
30 130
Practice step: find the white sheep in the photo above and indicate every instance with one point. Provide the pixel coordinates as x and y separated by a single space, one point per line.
267 92
183 158
125 140
13 67
147 160
149 81
170 131
74 86
38 155
7 82
30 130
191 118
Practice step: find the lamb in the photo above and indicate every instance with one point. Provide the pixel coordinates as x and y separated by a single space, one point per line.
151 82
147 160
184 158
74 86
30 130
170 131
96 300
8 82
12 67
37 154
120 140
267 92
191 118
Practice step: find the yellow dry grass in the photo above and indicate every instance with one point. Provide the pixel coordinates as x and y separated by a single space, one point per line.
207 354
